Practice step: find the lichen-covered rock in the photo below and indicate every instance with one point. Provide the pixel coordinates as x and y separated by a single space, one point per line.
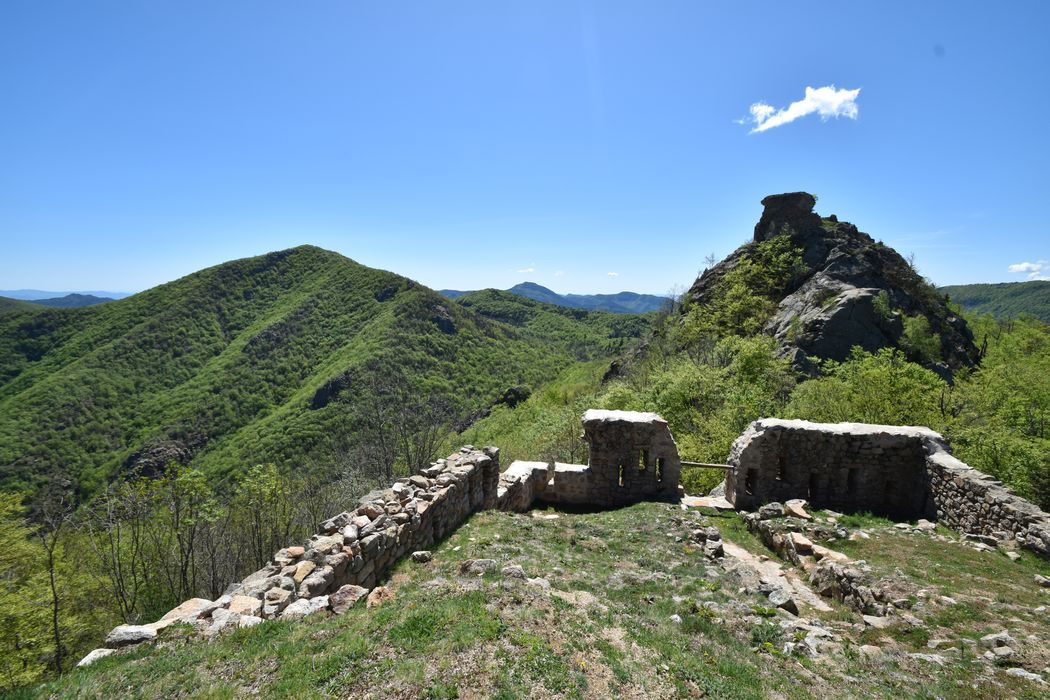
126 635
303 607
245 605
346 597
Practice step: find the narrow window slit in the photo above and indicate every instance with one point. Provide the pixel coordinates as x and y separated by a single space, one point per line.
659 468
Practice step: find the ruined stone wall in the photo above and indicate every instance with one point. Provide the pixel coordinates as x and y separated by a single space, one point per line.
354 550
633 458
900 472
968 500
846 466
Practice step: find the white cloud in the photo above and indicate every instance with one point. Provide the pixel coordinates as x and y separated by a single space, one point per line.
613 274
559 273
1034 270
526 270
826 101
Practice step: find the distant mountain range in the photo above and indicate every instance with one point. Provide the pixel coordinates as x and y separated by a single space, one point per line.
1004 300
622 303
39 294
69 301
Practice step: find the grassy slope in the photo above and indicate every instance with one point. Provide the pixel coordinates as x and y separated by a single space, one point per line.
227 361
603 630
1005 300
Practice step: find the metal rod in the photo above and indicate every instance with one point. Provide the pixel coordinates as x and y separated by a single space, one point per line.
706 466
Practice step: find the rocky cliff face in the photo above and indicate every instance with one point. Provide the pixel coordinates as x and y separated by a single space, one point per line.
853 291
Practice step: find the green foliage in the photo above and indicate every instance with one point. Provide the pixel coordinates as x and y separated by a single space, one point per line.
1006 300
266 359
870 388
882 305
746 295
27 634
919 341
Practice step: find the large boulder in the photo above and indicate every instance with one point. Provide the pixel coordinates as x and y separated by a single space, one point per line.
126 635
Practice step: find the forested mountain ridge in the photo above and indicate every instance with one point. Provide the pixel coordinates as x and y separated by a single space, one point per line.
1005 299
261 359
620 303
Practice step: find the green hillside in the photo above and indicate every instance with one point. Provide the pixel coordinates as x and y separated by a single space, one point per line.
8 305
261 359
1005 300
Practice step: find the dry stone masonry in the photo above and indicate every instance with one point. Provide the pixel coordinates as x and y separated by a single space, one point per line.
633 458
901 472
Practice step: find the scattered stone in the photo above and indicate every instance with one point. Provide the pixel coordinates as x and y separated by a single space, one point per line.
126 635
1013 556
422 556
803 545
1019 672
771 510
780 598
986 540
879 623
249 621
999 639
94 656
1000 655
932 658
540 583
796 508
676 618
902 526
477 567
296 551
925 526
378 596
938 643
871 651
513 571
1042 581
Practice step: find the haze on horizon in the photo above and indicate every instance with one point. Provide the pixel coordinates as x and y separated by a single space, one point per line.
590 147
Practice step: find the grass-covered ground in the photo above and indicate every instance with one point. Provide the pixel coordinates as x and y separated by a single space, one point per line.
600 625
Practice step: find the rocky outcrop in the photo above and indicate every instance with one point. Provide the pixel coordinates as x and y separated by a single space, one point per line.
830 307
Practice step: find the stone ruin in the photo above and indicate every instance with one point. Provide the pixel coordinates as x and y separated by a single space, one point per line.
633 458
904 473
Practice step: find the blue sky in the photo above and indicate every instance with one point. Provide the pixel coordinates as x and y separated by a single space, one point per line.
475 144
